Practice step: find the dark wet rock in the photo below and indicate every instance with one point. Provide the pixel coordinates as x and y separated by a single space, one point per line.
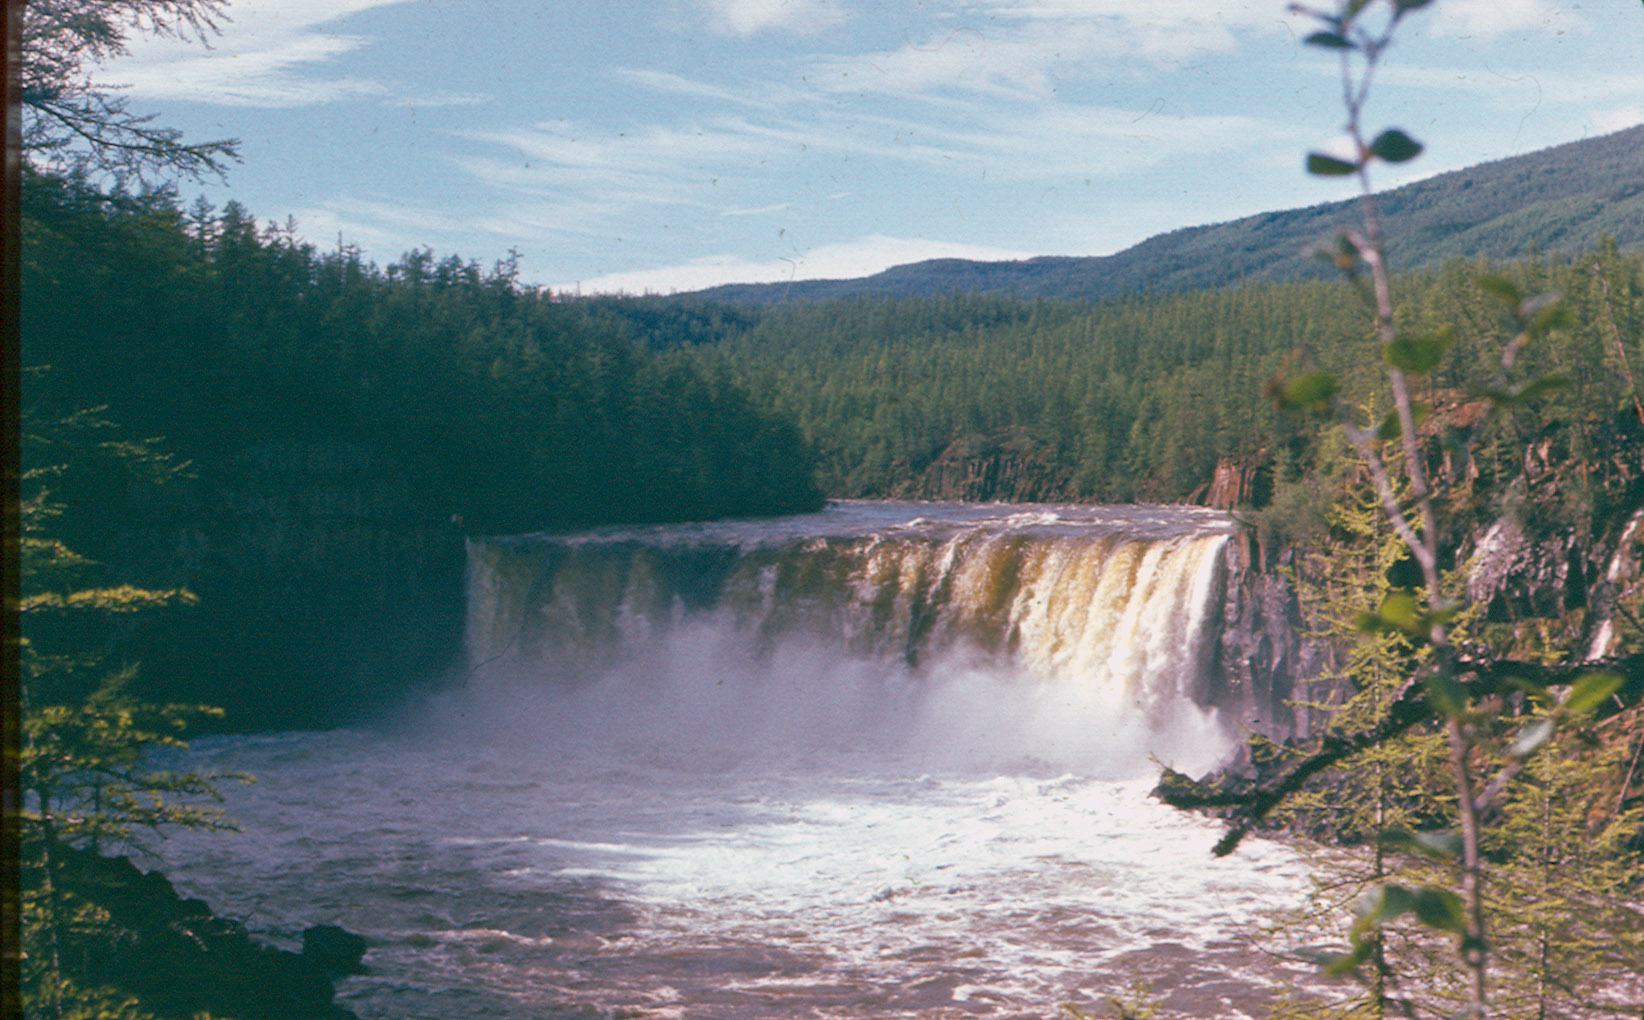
177 956
333 950
1262 651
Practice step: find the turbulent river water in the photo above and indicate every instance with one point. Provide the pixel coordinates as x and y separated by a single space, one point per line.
890 760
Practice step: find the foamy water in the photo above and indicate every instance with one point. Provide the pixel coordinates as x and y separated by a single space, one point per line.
695 875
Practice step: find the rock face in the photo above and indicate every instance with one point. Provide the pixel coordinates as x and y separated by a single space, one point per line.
334 951
1547 554
326 585
1262 653
1574 565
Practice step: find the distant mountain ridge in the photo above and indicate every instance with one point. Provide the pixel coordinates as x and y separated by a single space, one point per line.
1559 200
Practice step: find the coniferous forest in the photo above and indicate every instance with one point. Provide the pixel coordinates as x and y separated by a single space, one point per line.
1140 397
216 332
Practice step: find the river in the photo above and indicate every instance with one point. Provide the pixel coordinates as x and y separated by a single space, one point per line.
891 760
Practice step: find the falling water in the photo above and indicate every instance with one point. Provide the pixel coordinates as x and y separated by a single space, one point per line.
890 760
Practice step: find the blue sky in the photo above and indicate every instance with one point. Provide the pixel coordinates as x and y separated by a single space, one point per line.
677 144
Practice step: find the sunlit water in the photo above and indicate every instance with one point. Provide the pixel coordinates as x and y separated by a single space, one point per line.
704 831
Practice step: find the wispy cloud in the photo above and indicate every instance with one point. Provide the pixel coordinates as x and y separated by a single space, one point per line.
1066 140
1030 45
588 175
767 96
270 55
384 226
550 156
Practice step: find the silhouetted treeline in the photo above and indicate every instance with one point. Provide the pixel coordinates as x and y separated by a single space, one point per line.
506 408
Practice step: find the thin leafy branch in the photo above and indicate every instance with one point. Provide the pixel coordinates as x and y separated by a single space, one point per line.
75 124
1466 691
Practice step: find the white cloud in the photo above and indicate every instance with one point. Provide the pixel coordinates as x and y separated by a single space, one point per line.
846 260
587 175
1489 19
1067 141
264 57
579 178
746 17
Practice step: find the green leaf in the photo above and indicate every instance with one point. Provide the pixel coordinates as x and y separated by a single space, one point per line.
1343 964
1384 904
1440 616
1525 392
1395 146
1410 5
1329 40
1329 166
1545 384
1417 355
1531 737
1440 909
1390 428
1534 689
1310 392
1401 611
1310 388
1592 691
1432 906
1502 289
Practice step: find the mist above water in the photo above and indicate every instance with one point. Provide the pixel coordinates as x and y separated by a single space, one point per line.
700 689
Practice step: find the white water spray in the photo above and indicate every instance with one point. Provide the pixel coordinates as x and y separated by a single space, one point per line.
1072 634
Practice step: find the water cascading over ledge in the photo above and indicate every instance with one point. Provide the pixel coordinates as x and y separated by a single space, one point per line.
1122 604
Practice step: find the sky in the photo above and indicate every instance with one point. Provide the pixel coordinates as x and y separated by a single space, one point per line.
622 146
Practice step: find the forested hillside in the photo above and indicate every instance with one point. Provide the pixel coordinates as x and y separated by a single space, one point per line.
1559 201
213 332
1137 397
339 427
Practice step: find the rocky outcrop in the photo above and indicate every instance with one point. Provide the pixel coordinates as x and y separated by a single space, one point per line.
1562 553
179 958
1010 469
1262 652
1568 541
1237 481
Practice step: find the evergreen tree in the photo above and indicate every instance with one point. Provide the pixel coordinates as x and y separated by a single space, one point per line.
83 762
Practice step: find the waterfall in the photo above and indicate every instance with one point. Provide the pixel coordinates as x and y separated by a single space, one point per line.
1115 603
888 760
